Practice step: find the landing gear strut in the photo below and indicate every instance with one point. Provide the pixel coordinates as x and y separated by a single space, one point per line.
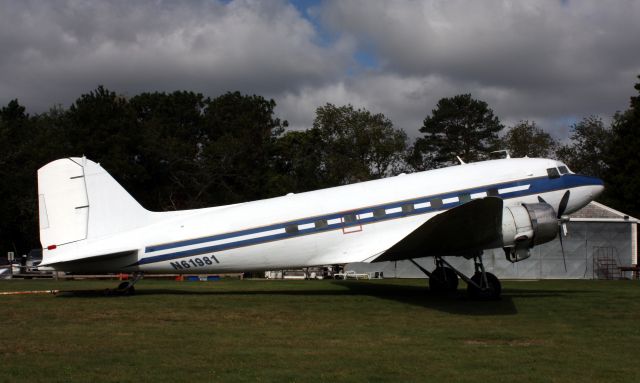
126 288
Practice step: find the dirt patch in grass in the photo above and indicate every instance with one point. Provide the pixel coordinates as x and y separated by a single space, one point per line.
505 342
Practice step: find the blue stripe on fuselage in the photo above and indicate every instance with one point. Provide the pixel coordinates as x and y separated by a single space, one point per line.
536 186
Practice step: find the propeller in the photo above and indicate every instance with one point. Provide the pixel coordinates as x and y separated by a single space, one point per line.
564 260
562 221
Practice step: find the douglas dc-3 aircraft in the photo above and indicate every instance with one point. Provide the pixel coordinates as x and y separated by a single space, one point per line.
89 223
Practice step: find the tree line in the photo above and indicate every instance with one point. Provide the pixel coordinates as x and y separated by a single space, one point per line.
183 150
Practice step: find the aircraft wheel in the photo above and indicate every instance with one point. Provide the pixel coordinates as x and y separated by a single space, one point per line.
443 280
123 285
490 292
124 290
130 291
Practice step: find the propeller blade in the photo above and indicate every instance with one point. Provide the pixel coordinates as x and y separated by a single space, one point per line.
563 203
564 260
562 226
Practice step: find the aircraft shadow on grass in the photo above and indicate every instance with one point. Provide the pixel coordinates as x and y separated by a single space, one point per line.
454 303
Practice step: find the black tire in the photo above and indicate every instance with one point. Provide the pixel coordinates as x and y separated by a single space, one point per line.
490 292
124 290
443 280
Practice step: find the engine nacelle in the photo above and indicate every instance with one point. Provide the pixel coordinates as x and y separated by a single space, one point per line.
526 226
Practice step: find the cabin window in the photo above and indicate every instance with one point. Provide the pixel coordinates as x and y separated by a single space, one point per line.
321 223
408 208
436 203
492 192
553 173
563 169
349 218
291 229
464 198
379 213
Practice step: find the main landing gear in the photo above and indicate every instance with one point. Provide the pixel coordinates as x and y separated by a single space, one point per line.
126 288
483 285
444 279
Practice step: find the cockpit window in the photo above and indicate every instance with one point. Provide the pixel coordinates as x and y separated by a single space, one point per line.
563 169
553 173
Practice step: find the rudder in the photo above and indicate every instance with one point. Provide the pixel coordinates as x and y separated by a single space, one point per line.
62 203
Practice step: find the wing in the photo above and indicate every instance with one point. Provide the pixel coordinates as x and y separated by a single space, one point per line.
463 230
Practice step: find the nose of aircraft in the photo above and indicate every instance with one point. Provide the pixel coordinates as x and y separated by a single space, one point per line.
596 190
589 190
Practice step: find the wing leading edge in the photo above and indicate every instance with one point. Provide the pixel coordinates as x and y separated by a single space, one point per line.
463 230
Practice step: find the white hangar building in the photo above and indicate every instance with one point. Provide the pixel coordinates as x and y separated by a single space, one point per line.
600 241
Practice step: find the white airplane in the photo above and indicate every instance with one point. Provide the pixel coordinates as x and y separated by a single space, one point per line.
90 224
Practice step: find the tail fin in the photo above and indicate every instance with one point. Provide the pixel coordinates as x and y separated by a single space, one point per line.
79 200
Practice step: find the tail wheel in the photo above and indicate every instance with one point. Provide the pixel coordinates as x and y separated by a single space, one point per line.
125 289
130 291
489 291
443 280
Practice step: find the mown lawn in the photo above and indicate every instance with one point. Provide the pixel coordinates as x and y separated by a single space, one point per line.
389 330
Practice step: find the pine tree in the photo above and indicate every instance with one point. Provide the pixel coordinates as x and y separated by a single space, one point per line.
458 126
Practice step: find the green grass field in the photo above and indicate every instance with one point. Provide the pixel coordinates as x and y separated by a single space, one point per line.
375 331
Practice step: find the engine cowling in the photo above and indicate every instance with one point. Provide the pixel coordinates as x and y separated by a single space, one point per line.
526 226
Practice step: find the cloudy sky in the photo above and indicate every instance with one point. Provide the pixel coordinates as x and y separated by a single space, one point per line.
553 62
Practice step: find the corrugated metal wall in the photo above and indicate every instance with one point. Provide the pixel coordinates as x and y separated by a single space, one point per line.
585 241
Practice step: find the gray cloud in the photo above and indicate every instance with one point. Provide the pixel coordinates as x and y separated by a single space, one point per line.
548 61
53 51
532 44
544 60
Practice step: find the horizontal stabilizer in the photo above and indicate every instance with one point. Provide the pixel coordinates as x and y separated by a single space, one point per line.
96 264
